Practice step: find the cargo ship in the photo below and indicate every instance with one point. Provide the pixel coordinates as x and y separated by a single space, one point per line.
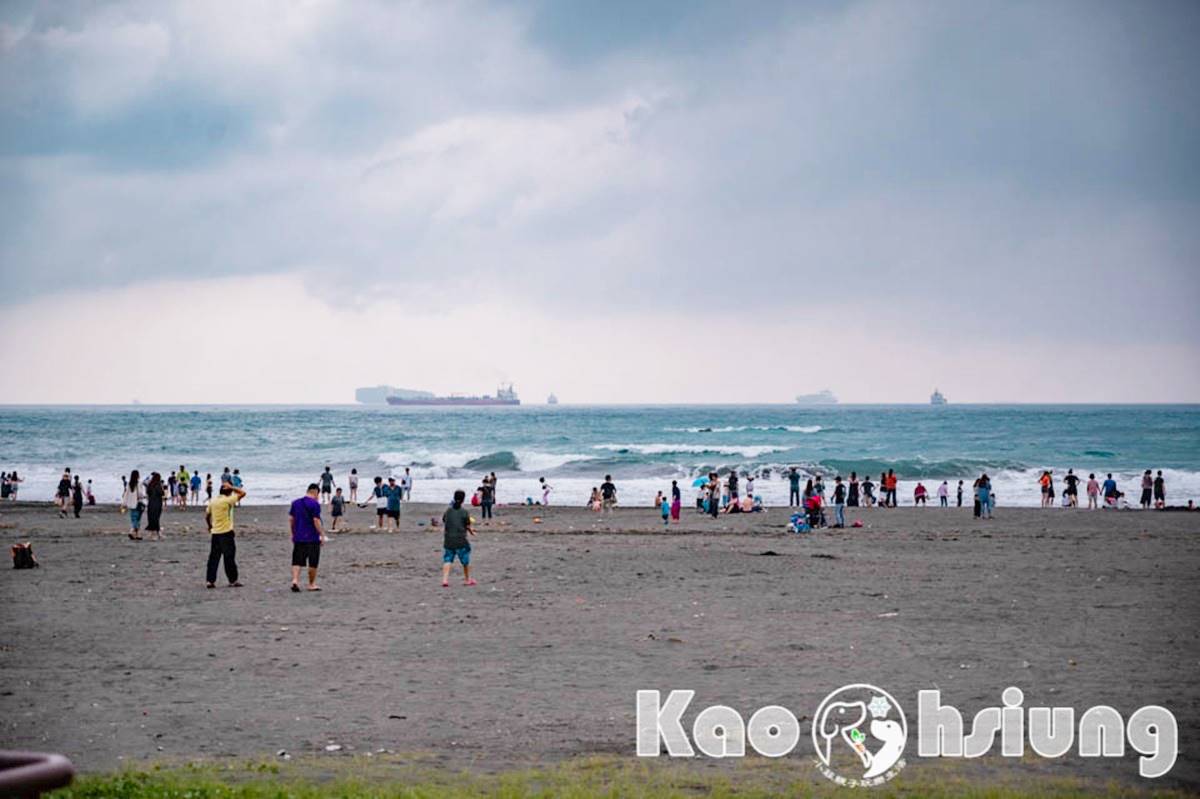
504 396
824 397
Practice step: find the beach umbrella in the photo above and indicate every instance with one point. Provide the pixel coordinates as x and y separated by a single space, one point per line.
699 481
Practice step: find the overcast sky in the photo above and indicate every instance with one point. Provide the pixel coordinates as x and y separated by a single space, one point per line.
616 201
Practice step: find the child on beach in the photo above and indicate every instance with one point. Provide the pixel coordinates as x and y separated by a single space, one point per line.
1093 492
457 525
546 489
665 507
338 504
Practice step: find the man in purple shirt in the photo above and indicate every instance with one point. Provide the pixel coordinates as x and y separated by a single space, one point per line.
307 535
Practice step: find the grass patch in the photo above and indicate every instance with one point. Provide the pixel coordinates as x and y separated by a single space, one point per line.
584 778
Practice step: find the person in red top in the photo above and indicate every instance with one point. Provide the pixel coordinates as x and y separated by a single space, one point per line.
920 493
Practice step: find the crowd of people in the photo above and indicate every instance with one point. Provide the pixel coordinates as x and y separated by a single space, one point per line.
145 499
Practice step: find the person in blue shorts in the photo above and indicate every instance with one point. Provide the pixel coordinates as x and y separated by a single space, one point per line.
456 523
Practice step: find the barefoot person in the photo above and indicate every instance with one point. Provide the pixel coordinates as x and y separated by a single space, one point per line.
337 508
307 535
456 523
219 518
326 485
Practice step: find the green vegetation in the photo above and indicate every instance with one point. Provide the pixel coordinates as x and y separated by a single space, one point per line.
590 778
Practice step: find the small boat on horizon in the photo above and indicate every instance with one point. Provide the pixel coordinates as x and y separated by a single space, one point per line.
937 398
552 400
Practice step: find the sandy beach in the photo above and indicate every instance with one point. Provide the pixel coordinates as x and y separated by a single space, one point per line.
113 652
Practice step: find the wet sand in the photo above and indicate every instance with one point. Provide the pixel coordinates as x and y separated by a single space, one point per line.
114 652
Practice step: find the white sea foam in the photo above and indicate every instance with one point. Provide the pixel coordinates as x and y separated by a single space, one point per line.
790 428
533 461
745 451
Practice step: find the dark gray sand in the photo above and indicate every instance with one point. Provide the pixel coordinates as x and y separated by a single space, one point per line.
114 652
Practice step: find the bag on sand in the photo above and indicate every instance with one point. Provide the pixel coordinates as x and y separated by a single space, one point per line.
22 555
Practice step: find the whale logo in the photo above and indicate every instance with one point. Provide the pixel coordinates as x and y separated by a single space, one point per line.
859 732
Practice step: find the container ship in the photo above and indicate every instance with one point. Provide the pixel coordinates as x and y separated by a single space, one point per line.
505 395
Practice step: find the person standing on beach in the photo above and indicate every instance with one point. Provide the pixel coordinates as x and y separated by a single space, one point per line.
664 507
456 526
195 482
326 485
960 490
944 494
839 502
77 496
868 492
852 495
714 494
173 488
1071 489
208 488
676 501
733 485
486 498
236 478
1044 482
793 487
185 481
890 481
353 485
88 495
62 495
1147 489
546 489
393 492
133 499
1111 493
14 482
1160 491
219 518
495 491
381 502
608 494
154 505
407 484
1093 492
307 536
985 497
920 494
337 507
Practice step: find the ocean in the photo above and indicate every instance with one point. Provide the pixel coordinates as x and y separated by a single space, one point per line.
280 449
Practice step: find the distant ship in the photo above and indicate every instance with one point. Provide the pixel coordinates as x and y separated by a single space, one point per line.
504 396
820 398
378 395
937 398
551 400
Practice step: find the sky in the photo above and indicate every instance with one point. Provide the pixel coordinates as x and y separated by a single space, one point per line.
279 201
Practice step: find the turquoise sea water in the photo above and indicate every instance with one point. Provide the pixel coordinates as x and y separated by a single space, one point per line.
280 449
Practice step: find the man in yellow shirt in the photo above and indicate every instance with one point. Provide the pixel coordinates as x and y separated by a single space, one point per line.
219 517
